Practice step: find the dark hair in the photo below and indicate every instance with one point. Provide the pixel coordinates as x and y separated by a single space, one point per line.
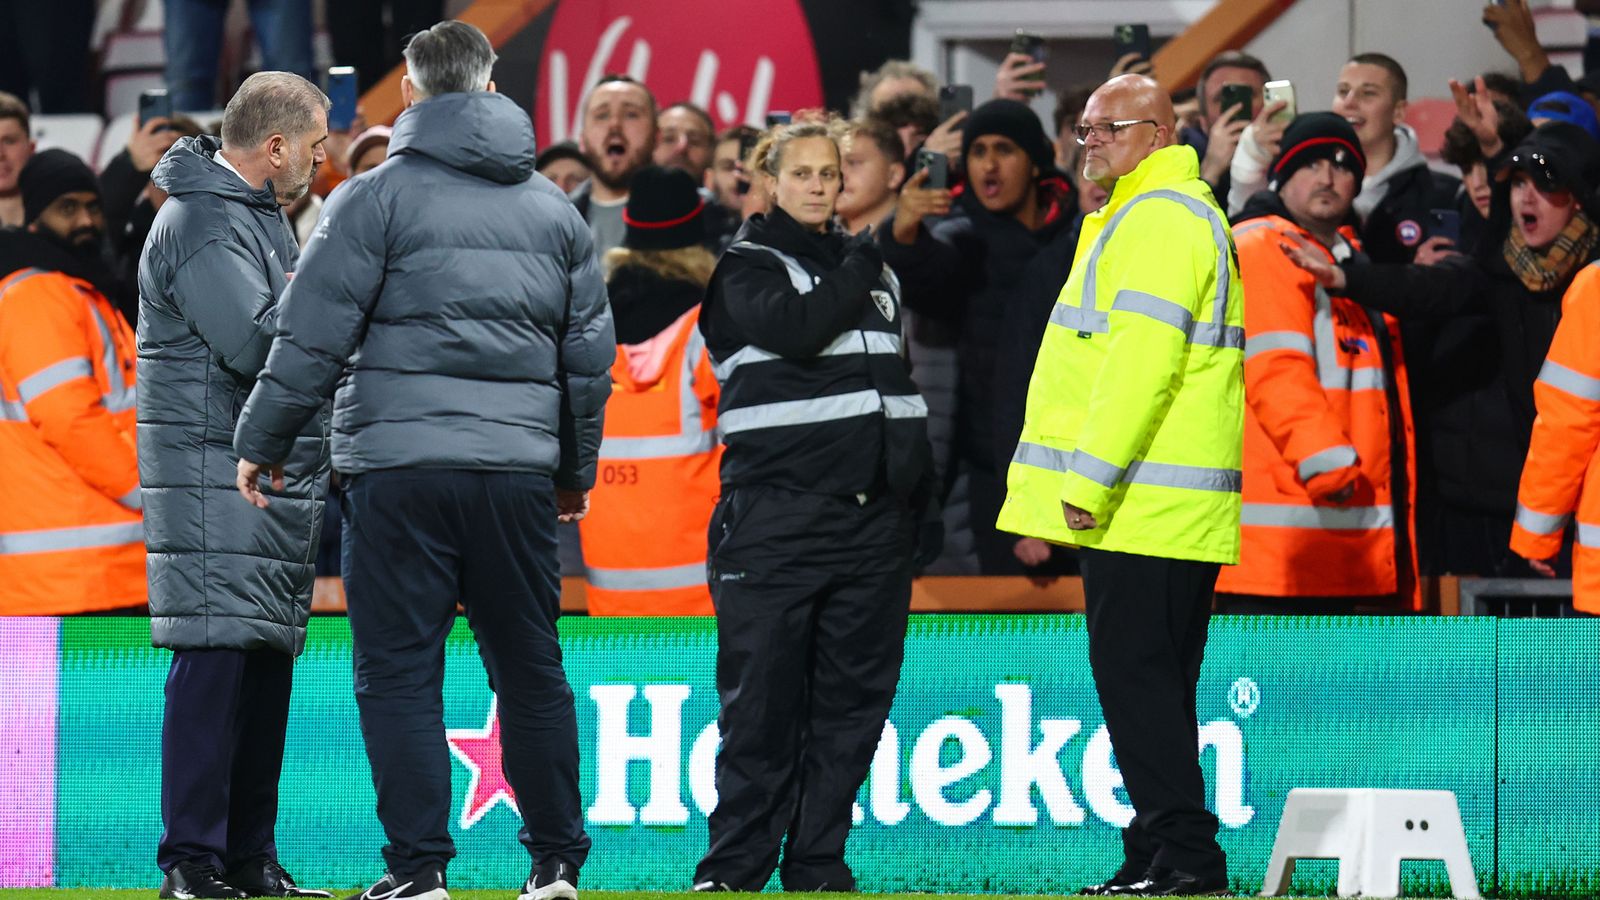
562 150
910 109
1397 74
1070 104
702 115
185 126
452 57
12 107
741 133
1499 83
879 132
620 78
1227 59
1461 145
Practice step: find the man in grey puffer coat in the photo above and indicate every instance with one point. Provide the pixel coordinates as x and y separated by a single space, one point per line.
230 589
452 297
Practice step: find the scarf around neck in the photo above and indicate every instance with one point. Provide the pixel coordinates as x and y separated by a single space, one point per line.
1548 269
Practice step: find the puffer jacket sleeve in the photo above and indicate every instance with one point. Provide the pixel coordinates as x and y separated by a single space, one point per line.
1567 432
324 314
1146 343
587 348
225 297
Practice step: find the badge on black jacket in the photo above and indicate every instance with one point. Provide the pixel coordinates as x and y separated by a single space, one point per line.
885 304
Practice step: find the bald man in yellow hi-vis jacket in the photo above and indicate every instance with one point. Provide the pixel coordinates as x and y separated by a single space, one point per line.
1131 452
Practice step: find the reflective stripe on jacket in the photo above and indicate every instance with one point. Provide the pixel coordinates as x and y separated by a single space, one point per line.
1561 480
644 539
806 341
1317 421
1135 409
71 533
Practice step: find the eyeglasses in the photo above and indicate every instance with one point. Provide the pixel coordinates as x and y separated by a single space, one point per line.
1107 131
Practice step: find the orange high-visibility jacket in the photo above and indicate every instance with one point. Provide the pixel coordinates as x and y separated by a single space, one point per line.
71 535
1562 475
644 539
1317 419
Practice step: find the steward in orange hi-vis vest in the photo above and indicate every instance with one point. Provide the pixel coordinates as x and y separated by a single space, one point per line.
656 484
1328 445
644 540
1561 481
71 535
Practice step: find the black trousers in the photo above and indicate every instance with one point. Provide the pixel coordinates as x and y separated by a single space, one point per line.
812 593
1147 619
417 541
221 753
44 49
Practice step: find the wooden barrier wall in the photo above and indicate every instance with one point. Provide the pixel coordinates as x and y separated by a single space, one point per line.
946 594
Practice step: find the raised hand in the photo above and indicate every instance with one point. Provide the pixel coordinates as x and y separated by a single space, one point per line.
1476 111
1309 256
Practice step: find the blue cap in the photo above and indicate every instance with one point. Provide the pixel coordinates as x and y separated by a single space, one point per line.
1561 106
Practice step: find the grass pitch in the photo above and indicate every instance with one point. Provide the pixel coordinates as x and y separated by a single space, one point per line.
508 894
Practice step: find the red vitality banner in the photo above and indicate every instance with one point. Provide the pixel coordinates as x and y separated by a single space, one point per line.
733 58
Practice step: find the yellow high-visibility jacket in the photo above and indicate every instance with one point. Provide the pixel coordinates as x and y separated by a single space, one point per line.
1136 408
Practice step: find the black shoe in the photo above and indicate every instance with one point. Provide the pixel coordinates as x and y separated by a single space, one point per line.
265 878
711 886
425 885
1173 883
190 880
552 881
1117 883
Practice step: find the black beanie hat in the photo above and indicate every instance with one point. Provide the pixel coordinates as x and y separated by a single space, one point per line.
1014 120
664 210
48 175
1314 136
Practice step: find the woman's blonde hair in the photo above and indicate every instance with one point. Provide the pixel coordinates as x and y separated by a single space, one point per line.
768 153
693 264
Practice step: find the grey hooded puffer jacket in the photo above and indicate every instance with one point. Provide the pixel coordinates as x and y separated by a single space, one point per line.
223 574
452 299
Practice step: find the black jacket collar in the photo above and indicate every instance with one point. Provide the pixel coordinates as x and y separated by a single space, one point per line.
778 230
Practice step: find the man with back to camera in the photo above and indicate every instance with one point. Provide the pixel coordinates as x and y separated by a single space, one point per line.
461 442
1130 451
229 594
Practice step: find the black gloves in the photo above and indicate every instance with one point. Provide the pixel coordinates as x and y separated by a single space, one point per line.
864 246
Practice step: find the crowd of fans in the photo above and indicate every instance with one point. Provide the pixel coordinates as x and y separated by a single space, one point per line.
1458 280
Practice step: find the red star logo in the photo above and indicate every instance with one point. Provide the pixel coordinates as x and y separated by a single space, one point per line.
479 750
